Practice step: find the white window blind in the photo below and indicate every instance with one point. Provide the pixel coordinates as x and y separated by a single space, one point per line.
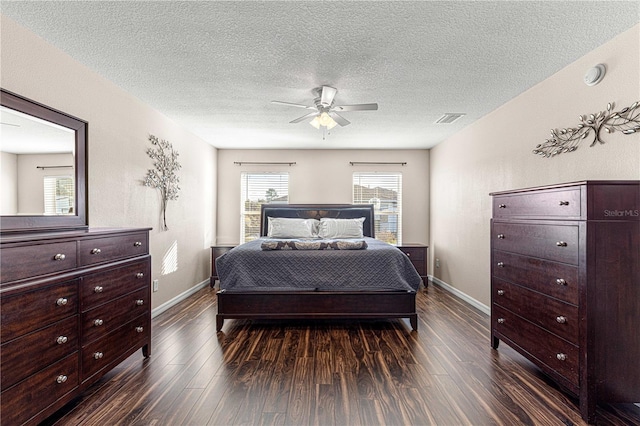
257 189
384 191
59 195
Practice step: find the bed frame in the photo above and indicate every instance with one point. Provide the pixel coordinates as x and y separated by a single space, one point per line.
312 304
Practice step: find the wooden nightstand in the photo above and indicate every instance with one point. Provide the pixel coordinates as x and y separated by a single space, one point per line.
417 253
216 252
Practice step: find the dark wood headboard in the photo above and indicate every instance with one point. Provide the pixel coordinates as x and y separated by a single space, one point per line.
318 211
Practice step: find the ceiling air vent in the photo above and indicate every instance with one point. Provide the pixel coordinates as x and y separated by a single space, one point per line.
449 117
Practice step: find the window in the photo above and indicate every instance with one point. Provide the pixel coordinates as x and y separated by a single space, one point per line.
59 195
258 189
384 191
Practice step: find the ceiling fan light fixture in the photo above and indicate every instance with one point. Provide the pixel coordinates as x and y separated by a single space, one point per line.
325 113
315 122
324 120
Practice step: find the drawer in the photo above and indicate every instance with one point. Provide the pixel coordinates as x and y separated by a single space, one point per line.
101 287
414 253
36 308
548 204
559 243
545 347
44 388
46 345
23 262
551 278
558 317
106 318
98 250
421 267
103 352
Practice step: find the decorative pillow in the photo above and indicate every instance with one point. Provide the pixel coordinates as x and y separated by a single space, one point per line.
283 227
350 244
341 228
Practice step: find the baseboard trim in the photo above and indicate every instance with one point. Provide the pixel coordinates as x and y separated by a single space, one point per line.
470 300
179 298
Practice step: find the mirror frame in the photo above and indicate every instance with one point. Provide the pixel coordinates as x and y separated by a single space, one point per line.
31 223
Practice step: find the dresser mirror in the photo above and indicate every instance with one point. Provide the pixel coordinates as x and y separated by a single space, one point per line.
44 170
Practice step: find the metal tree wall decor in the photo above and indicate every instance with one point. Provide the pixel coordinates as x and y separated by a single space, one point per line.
164 175
627 121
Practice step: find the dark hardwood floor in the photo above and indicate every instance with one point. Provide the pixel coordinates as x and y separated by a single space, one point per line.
329 373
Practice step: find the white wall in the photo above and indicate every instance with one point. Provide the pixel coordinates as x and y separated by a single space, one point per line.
9 188
119 125
495 154
325 176
30 183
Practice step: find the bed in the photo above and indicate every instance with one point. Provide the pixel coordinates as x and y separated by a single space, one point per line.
259 280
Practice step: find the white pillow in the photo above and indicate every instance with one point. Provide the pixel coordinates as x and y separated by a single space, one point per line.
283 227
341 228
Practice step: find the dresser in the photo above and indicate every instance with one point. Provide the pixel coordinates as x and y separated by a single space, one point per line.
73 305
565 285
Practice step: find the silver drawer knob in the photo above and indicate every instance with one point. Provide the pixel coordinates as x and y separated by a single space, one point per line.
564 203
139 275
561 319
561 244
59 256
62 301
98 322
500 264
500 292
96 251
561 356
501 236
502 206
98 289
561 281
98 355
61 340
139 302
500 320
61 378
137 244
139 329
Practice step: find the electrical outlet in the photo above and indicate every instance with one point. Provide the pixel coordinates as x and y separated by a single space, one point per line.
437 263
155 285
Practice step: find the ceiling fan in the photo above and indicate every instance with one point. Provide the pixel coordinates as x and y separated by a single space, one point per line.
325 113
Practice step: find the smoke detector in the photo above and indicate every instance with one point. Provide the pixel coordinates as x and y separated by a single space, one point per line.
595 75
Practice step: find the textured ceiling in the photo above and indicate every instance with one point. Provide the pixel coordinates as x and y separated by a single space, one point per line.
215 66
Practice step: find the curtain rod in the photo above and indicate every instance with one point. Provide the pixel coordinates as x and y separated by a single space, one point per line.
267 163
360 163
54 167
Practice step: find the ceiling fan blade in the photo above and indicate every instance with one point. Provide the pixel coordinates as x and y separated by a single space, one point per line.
339 119
304 117
357 107
327 95
293 105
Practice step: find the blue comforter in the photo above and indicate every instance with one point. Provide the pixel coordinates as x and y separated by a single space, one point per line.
379 267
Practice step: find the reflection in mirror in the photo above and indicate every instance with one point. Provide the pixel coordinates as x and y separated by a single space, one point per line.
38 173
43 169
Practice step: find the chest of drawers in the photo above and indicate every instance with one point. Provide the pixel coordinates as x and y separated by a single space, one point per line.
565 285
73 306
